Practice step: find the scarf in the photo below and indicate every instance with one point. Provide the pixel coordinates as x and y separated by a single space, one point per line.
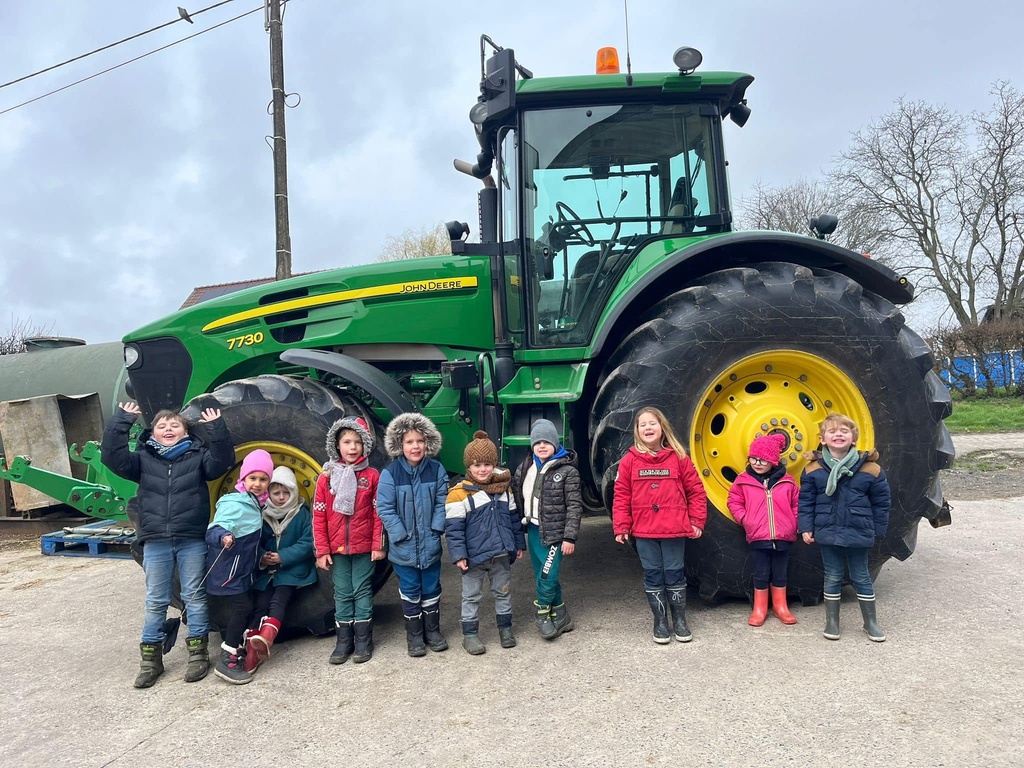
838 468
344 485
170 452
279 517
773 477
497 483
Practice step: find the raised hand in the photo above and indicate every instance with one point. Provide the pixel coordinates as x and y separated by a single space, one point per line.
209 414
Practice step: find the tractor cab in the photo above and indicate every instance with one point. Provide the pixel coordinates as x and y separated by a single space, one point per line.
589 170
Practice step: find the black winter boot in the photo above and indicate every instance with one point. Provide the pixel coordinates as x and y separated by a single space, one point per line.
657 601
471 638
677 605
198 658
544 622
508 640
363 631
832 616
867 611
432 630
561 619
414 635
230 667
152 665
345 646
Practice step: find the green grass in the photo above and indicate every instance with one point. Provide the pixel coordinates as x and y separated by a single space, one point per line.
997 414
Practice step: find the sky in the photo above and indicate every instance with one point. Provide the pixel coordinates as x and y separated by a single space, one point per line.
121 194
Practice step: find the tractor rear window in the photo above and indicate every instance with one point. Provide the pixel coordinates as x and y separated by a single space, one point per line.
600 180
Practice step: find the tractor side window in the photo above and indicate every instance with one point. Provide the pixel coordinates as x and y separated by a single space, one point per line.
597 182
508 190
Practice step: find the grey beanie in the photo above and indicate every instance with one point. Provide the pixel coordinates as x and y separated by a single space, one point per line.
544 430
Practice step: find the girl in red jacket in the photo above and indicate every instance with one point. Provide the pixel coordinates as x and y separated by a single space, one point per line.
660 502
764 500
348 536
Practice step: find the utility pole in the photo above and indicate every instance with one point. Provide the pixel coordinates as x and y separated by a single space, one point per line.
272 23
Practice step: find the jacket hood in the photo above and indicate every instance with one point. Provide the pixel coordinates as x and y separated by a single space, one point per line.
357 425
407 422
284 476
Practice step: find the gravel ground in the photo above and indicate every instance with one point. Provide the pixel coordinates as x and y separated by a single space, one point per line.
945 689
989 466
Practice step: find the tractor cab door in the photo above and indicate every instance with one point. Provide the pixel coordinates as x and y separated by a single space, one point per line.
598 182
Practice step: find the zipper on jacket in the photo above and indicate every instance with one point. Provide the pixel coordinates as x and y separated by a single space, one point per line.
771 510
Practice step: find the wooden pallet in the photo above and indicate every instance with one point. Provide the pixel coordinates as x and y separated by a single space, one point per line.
80 544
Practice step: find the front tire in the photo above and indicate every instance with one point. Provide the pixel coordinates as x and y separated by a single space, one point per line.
289 417
750 351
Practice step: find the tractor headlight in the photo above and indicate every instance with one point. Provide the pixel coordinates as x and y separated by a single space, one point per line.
132 356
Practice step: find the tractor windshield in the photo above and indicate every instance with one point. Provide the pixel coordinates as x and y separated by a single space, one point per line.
598 181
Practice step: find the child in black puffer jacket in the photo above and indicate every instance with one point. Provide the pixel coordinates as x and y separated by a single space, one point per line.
172 469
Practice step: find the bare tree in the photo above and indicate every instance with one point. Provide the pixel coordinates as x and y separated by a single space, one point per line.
949 190
414 243
790 208
13 341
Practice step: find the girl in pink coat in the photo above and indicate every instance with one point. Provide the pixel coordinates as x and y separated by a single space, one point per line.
660 502
764 500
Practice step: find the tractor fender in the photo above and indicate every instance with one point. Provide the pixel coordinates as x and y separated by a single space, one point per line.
362 374
743 249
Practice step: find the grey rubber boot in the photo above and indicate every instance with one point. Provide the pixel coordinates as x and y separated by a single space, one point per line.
543 620
677 605
505 635
230 667
414 635
832 617
867 611
658 602
151 666
363 632
471 638
561 619
198 658
432 630
345 645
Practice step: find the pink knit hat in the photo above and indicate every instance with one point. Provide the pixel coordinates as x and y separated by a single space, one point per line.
767 447
257 461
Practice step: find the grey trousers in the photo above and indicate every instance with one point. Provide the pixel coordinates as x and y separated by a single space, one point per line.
499 571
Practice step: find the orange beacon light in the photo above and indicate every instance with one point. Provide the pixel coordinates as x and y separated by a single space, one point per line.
607 61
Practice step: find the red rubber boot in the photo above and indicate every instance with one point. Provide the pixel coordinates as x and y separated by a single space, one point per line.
779 606
760 612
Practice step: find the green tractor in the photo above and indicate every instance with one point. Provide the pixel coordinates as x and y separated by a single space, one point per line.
607 276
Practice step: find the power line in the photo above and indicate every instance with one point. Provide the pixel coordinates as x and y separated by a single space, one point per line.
130 61
105 47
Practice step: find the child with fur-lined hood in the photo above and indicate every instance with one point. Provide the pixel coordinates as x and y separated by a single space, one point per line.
411 505
348 536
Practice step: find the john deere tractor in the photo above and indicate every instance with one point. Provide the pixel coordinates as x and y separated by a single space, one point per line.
607 277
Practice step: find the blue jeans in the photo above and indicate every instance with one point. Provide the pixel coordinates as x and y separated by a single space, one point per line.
160 558
856 558
662 560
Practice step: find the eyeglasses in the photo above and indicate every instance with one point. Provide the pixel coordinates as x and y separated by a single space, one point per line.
752 460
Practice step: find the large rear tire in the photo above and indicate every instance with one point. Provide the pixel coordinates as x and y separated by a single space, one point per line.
750 351
289 417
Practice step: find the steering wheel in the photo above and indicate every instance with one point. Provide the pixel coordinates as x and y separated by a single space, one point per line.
574 227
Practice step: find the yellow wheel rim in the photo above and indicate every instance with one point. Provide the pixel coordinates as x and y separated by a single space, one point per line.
783 391
305 467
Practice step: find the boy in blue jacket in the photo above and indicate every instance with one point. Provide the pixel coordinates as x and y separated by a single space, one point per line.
485 536
233 543
844 508
410 504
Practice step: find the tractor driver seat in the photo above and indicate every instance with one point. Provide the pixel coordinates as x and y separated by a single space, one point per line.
681 204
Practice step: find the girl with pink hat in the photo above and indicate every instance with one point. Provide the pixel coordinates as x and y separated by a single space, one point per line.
764 500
